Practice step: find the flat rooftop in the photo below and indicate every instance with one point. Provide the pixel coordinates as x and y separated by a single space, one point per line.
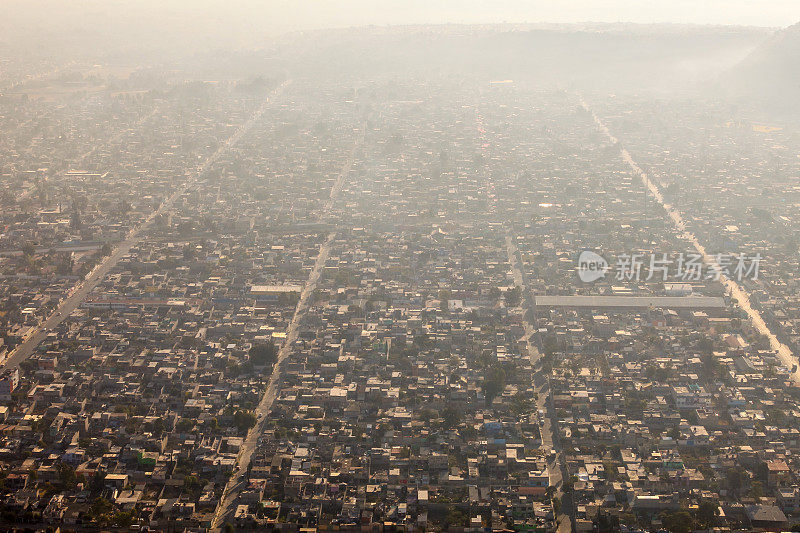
675 302
267 289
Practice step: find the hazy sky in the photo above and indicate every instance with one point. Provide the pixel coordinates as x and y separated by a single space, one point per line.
195 24
298 14
347 12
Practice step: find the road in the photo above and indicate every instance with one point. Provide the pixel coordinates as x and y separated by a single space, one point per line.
787 358
542 383
93 278
80 160
238 479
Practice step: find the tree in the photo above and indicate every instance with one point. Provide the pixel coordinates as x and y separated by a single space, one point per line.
756 490
629 520
611 471
28 249
550 346
450 418
706 514
494 382
189 252
263 354
513 297
75 220
456 517
65 264
66 475
100 509
736 478
521 405
244 420
157 427
96 484
123 519
184 425
677 521
192 484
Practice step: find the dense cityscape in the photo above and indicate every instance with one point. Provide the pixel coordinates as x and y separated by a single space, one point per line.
409 300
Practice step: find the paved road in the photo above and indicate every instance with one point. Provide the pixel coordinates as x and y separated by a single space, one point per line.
80 160
542 384
83 288
238 480
741 296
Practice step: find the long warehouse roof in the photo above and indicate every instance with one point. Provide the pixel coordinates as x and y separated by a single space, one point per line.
683 302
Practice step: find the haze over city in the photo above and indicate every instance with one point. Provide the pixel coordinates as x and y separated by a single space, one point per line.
204 23
400 266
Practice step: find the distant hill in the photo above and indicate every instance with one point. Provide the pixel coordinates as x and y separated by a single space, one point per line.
772 72
607 57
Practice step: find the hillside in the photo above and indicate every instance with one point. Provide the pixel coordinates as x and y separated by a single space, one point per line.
772 72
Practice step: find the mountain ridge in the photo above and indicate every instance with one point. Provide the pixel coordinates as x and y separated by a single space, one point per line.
771 73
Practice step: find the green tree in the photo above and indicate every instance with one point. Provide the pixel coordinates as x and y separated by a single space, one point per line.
513 297
100 510
450 417
184 425
550 346
677 521
263 354
756 490
611 471
157 427
494 382
28 250
66 475
244 420
706 514
455 517
192 484
123 519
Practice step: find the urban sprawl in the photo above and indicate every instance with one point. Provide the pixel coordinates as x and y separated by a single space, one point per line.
355 305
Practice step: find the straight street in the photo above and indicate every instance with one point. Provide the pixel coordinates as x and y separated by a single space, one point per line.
238 479
542 383
787 358
93 278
